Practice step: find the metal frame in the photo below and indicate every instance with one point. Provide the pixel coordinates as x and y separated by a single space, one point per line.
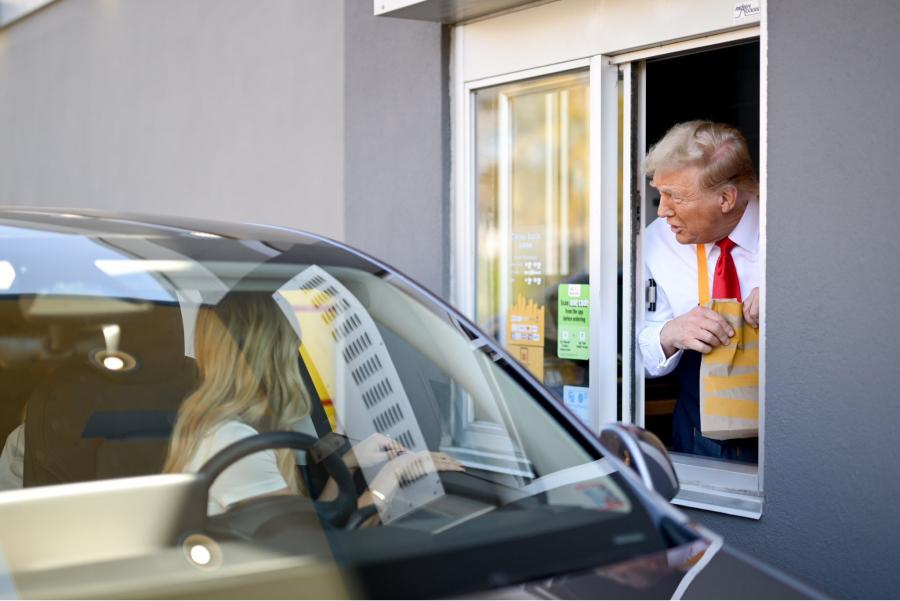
711 484
736 35
464 219
640 301
703 479
631 229
763 203
603 263
464 261
603 218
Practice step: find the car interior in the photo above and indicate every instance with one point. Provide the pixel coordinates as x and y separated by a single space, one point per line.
86 422
88 419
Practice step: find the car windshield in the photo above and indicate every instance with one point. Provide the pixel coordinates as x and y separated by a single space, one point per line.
102 328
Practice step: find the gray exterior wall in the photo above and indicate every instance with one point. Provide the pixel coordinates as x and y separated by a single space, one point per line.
202 108
211 108
832 392
312 114
397 141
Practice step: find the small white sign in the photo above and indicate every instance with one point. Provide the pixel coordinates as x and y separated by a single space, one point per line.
575 398
747 10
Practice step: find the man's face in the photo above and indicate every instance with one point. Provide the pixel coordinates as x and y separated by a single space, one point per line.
696 216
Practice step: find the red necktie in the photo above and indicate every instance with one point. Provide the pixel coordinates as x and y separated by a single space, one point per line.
725 280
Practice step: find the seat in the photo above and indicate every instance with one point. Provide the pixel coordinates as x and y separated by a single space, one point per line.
84 422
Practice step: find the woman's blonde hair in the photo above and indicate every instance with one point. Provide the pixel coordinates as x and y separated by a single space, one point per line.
247 355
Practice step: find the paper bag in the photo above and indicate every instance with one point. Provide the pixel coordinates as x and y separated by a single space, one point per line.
729 380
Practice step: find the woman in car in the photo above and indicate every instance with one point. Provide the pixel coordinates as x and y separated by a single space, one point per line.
246 348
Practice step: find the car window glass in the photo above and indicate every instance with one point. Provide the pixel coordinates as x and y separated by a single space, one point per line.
96 367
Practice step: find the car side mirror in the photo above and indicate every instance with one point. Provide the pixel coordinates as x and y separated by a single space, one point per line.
643 452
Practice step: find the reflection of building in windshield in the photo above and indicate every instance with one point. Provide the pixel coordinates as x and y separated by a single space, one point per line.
46 263
342 343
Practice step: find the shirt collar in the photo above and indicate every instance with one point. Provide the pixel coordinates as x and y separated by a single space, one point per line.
746 233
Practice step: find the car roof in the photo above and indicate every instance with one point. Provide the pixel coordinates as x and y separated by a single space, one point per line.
93 221
182 233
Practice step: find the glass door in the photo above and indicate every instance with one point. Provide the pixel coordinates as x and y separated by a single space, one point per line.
532 184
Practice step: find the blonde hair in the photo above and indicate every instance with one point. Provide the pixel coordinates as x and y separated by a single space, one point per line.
247 354
719 150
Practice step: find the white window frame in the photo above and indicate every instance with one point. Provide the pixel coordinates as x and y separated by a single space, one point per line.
711 484
487 436
603 222
715 485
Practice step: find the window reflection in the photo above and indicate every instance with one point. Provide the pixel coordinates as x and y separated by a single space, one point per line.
532 197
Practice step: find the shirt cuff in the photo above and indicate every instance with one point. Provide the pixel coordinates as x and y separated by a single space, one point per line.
655 362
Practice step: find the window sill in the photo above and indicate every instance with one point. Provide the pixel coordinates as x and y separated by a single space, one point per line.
719 486
707 499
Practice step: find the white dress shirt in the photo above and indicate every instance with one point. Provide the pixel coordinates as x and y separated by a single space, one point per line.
674 268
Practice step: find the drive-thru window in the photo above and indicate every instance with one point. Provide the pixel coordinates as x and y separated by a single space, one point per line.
555 106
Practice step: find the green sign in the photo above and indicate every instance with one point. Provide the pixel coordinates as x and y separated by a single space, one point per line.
573 322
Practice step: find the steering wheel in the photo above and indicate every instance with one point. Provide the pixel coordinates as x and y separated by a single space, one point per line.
334 512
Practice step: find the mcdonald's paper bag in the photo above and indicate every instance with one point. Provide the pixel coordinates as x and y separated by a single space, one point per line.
729 380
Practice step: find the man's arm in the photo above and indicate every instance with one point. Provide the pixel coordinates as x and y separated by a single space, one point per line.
664 336
656 362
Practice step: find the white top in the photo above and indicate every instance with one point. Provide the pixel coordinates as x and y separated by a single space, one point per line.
12 459
252 476
674 267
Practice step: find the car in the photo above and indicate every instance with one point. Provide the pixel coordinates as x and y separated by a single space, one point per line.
481 483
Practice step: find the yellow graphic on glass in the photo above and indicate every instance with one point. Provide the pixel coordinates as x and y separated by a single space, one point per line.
525 334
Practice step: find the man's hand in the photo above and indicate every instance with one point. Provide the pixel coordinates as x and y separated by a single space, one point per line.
700 329
751 308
